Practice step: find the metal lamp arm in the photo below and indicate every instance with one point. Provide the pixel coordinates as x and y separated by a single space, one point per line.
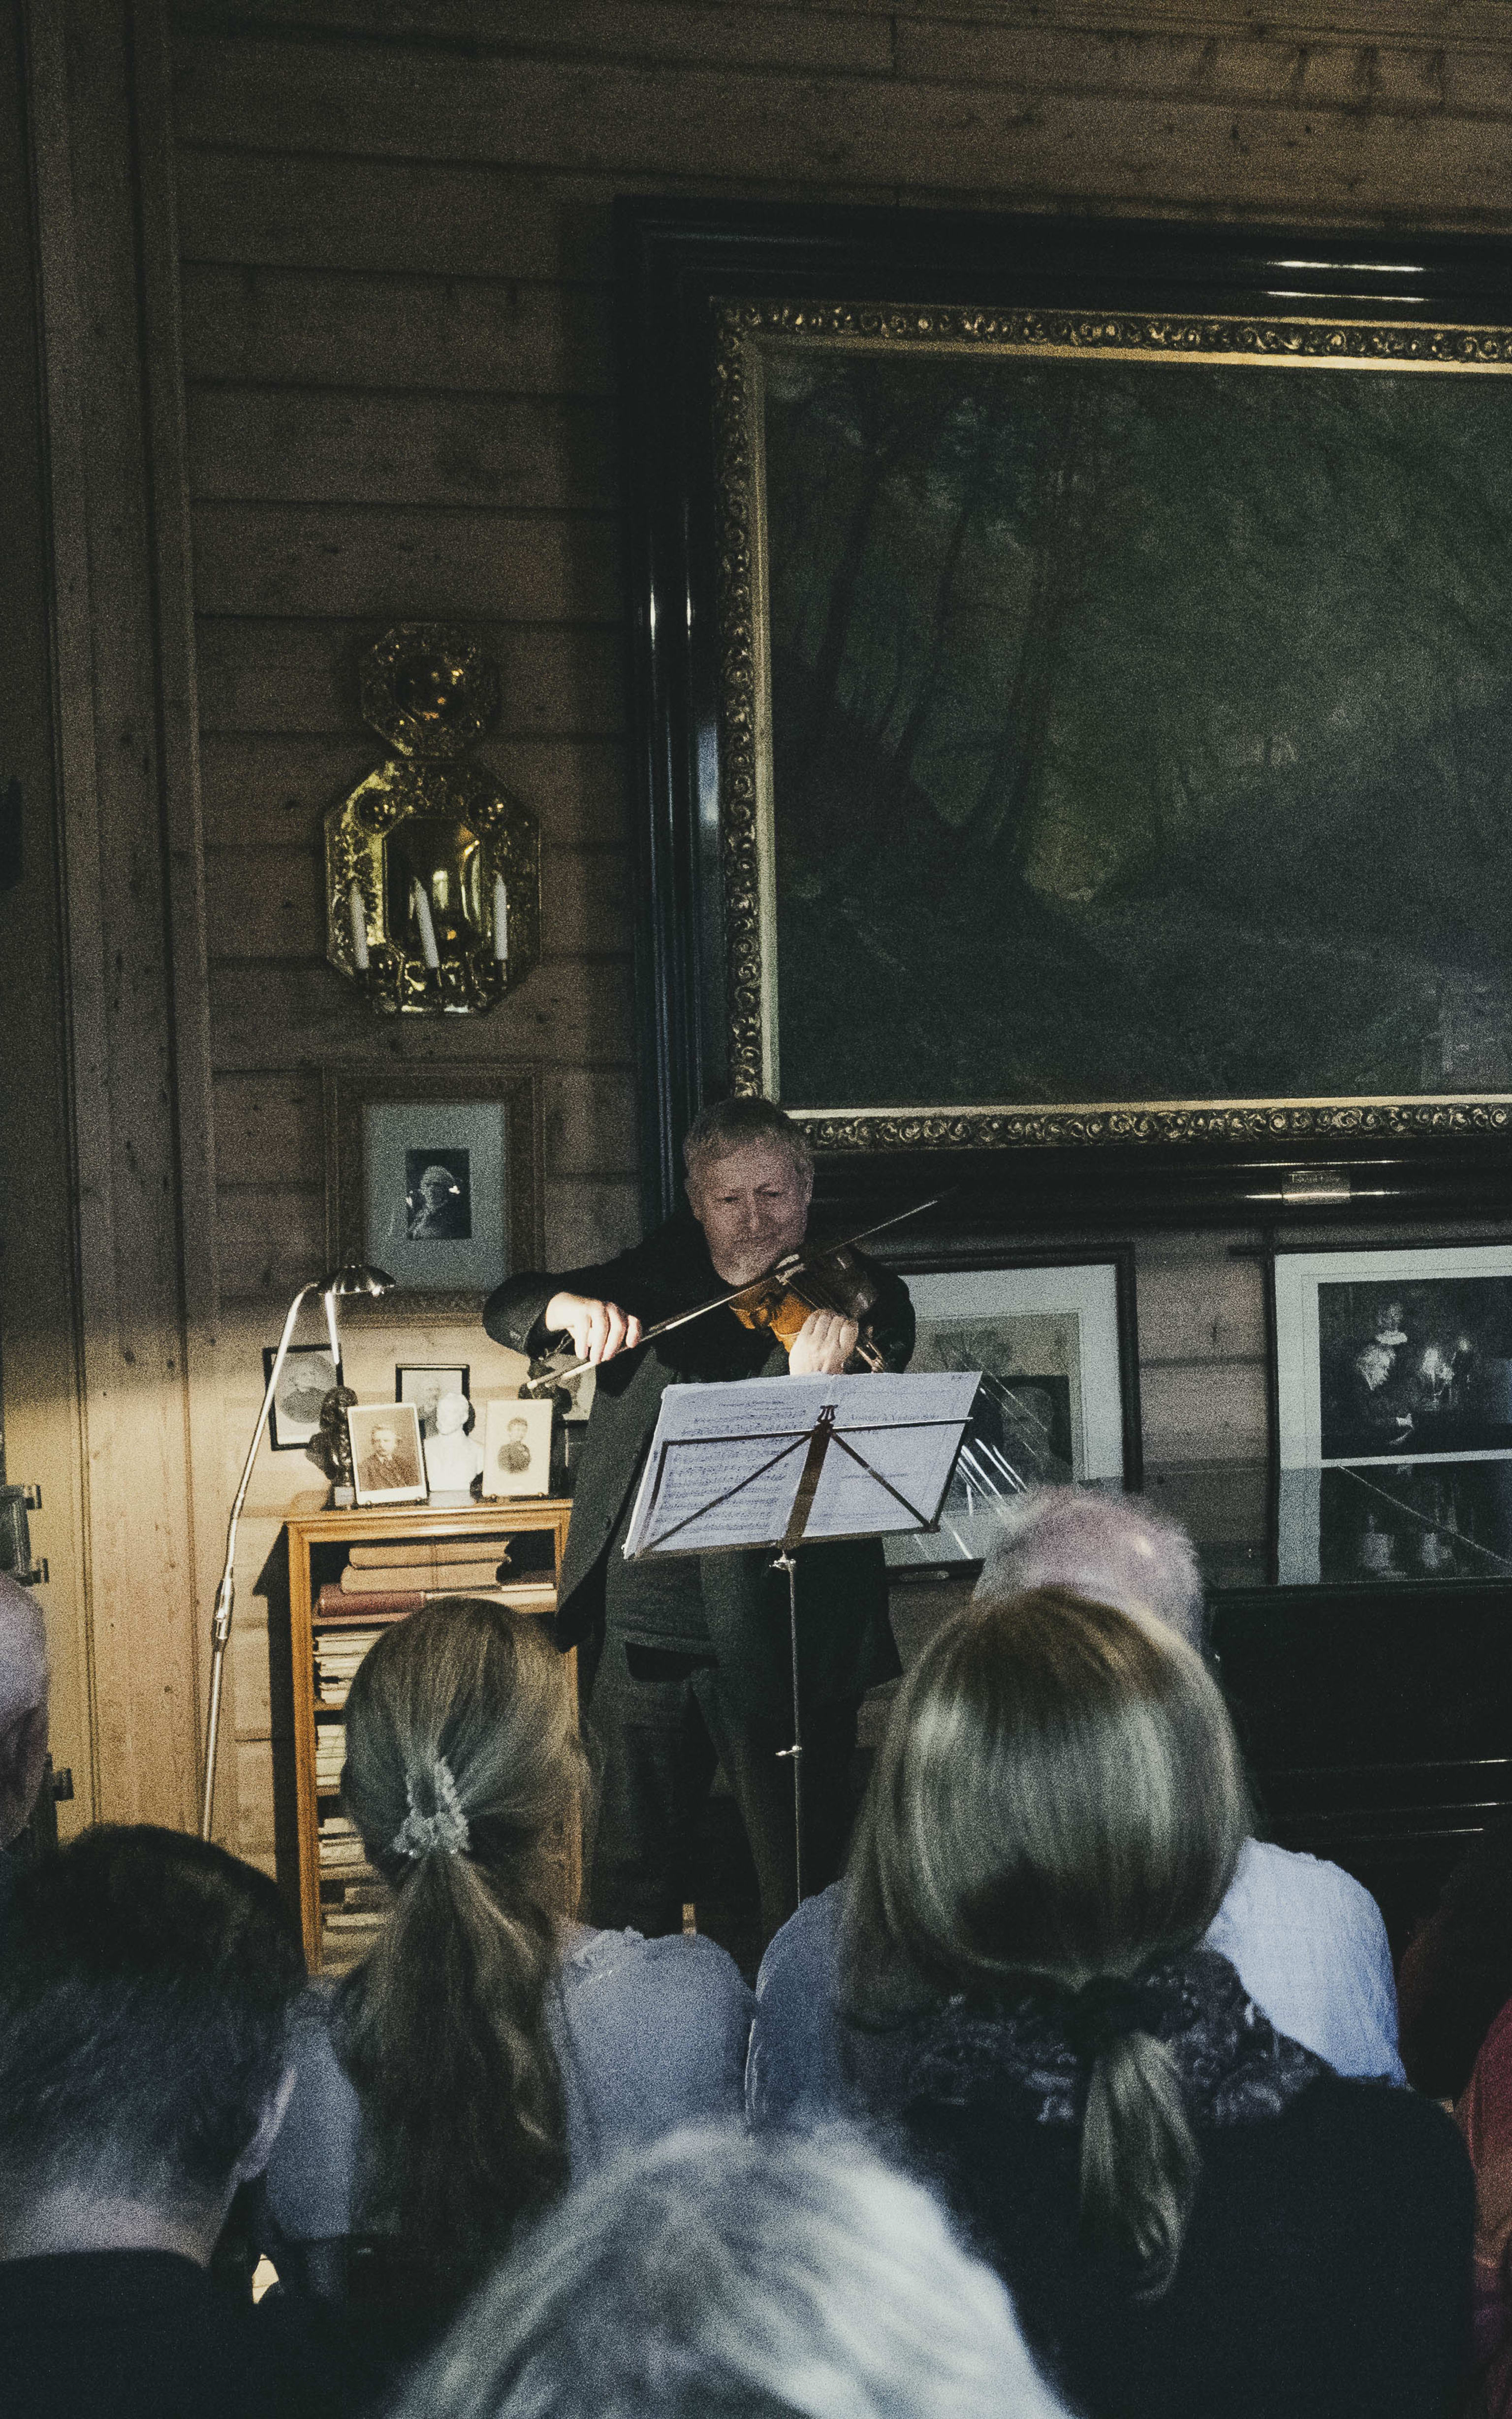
225 1595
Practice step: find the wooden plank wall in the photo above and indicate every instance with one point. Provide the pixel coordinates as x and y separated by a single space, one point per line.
395 221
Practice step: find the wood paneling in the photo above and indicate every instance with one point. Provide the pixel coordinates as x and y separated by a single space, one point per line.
302 445
361 561
1078 116
131 861
287 208
299 674
444 332
268 1121
568 1012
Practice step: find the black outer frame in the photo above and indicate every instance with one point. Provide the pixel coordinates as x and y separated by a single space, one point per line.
674 257
293 1444
921 1258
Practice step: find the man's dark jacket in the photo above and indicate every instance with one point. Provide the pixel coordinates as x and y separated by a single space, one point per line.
846 1644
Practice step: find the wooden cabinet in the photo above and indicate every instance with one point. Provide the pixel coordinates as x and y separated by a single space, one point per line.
532 1531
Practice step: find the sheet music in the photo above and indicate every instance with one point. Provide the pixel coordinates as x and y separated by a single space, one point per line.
727 1461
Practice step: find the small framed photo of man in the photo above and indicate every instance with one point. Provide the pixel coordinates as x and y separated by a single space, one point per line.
516 1447
438 1197
387 1461
424 1383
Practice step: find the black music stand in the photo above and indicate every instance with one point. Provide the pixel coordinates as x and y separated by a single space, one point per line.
799 1478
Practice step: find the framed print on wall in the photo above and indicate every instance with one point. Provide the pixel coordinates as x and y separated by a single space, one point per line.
306 1378
424 1383
1056 1344
1087 638
1392 1357
434 1177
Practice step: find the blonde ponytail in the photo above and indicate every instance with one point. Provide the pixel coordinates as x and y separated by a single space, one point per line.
464 1776
1140 2164
1057 1803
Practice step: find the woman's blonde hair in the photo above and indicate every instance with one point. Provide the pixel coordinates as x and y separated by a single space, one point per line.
1059 1800
465 1776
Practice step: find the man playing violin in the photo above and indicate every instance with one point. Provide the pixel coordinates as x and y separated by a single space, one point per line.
685 1659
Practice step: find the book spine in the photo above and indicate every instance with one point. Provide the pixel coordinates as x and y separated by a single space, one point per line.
332 1604
488 1551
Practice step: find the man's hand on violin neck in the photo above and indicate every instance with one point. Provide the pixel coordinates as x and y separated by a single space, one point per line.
823 1345
599 1328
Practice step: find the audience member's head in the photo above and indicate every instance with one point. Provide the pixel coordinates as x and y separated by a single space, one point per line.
145 1995
23 1678
1057 1802
718 2276
1456 1972
465 1778
1109 1548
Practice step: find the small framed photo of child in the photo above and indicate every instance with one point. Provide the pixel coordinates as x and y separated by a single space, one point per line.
516 1447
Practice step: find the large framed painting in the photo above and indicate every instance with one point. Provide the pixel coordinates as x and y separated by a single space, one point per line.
1075 707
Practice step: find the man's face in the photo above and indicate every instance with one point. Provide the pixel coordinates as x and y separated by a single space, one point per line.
435 1188
753 1206
385 1441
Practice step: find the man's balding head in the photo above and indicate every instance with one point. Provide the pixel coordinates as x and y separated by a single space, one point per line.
1109 1548
24 1676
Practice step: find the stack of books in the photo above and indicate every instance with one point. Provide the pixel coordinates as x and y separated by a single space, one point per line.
342 1855
338 1654
353 1898
397 1579
329 1755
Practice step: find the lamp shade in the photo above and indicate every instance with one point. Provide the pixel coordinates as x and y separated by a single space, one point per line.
356 1281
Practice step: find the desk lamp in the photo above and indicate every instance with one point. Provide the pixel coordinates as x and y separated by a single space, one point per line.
355 1282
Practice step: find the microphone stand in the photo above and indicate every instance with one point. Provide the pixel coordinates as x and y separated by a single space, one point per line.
341 1284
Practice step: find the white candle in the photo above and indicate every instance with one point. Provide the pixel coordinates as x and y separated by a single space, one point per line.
501 921
427 930
354 904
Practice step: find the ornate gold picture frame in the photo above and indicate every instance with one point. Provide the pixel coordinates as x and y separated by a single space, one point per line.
1110 699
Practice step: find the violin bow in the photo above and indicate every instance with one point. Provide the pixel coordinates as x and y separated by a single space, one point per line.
727 1300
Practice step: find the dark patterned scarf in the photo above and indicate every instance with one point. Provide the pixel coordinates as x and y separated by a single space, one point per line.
1237 2068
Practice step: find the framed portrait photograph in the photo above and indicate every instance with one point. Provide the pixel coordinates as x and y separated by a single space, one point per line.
424 1383
387 1461
516 1447
1394 1357
1058 1401
306 1378
1104 634
436 1180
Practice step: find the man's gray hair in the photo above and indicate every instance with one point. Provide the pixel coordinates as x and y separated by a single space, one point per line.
722 2276
730 1125
1110 1548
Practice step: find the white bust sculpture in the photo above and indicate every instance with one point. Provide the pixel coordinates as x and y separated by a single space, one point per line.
452 1460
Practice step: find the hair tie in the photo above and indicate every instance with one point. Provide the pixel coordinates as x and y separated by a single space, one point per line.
444 1830
1100 2014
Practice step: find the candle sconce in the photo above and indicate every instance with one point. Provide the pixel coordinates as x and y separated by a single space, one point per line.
433 873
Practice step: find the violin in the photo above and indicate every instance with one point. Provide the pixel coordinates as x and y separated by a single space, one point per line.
803 1282
789 1293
